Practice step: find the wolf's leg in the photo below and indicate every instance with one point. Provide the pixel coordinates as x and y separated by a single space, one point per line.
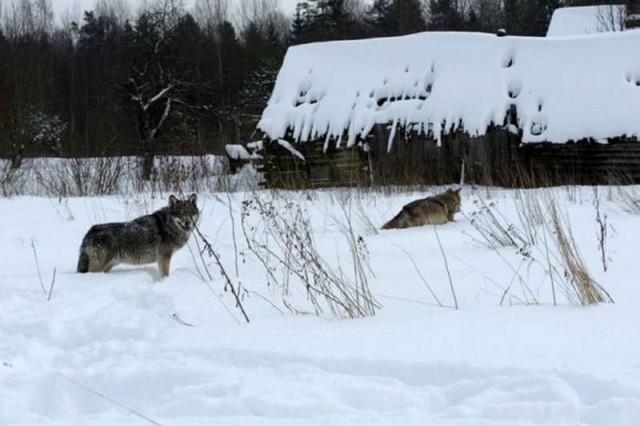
164 259
104 264
109 266
83 262
100 260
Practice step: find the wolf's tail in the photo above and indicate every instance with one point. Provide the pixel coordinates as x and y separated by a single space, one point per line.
396 222
83 262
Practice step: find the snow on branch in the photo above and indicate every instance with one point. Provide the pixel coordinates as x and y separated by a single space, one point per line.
158 96
163 118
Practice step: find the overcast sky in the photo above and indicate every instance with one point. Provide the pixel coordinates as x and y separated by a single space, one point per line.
77 7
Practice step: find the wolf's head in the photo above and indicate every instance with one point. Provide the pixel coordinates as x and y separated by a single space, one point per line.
452 199
184 213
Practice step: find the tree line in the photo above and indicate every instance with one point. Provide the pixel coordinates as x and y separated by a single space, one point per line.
168 80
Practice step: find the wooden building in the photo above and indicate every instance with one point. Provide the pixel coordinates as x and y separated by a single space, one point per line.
514 110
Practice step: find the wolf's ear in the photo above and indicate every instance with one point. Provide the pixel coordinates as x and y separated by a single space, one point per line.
193 198
172 200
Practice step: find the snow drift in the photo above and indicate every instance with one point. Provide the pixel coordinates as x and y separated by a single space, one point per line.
564 89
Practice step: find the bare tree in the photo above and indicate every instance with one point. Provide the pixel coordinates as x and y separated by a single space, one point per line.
28 18
155 87
210 14
256 12
611 17
119 11
264 15
357 9
71 14
26 75
43 16
18 19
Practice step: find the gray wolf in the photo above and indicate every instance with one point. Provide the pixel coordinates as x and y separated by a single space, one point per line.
434 210
147 239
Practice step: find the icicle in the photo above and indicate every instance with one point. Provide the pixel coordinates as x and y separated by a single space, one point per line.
392 135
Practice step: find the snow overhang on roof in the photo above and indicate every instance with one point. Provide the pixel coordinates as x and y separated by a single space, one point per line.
564 89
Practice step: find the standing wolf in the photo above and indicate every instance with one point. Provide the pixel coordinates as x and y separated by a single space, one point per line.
434 210
147 239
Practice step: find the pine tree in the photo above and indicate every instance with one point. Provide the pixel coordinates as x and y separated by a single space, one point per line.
381 19
258 87
472 22
330 20
300 23
444 15
529 17
490 15
395 17
409 16
513 17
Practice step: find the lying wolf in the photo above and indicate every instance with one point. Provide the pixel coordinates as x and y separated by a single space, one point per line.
434 210
147 239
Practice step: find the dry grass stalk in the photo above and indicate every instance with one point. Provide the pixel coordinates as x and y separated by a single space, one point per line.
35 256
420 275
446 265
208 248
629 198
544 243
585 288
53 281
602 229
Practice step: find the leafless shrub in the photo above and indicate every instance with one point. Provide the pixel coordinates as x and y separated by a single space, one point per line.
628 198
236 290
12 180
81 176
64 177
543 243
281 239
359 254
184 174
355 205
495 228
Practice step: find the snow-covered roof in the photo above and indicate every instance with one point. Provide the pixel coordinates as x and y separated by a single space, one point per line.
582 20
239 152
566 88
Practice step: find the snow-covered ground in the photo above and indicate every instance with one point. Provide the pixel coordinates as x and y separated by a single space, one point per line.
130 348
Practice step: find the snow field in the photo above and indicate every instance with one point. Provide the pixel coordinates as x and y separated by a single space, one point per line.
107 345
